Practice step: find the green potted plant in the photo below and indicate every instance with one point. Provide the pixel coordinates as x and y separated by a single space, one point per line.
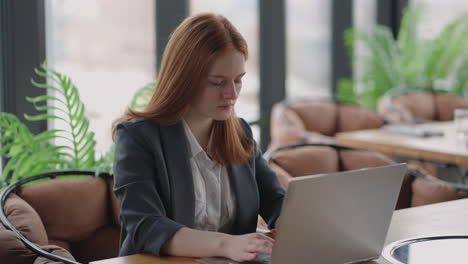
28 154
407 62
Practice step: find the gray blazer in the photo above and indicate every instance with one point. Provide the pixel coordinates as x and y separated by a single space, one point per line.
154 186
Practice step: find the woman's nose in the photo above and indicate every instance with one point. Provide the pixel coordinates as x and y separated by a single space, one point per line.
230 91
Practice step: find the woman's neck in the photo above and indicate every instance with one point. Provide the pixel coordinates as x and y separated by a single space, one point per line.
201 129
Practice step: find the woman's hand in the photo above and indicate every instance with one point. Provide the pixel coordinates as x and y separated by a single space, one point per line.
246 247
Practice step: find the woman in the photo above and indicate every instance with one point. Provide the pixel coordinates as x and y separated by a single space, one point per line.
188 175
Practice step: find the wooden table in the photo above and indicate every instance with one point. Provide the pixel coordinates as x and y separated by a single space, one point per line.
445 149
448 218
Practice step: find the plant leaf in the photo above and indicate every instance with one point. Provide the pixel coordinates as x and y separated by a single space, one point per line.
142 96
81 140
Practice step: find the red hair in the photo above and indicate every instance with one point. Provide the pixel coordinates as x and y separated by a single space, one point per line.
191 49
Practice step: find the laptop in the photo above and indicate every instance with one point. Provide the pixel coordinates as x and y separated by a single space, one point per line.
335 218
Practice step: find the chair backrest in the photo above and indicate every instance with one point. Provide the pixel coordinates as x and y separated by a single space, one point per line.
292 121
409 106
308 159
419 187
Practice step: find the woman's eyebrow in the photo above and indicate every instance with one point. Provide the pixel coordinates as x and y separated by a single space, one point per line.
222 76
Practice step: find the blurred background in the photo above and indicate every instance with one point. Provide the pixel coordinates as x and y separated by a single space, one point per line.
111 48
326 80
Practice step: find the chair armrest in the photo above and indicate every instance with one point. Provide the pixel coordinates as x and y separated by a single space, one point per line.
457 186
55 250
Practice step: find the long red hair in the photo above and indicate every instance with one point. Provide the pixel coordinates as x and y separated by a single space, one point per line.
191 49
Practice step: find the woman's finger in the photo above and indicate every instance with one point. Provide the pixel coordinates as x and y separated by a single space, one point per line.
249 256
260 246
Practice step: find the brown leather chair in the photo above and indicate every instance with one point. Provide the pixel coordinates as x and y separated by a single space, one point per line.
410 106
317 121
75 219
418 187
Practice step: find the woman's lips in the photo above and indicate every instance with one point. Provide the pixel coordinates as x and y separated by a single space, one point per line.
225 107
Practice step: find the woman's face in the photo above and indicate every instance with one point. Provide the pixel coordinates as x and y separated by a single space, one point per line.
221 87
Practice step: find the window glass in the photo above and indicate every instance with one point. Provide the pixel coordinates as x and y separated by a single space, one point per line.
107 47
364 14
438 14
364 19
308 48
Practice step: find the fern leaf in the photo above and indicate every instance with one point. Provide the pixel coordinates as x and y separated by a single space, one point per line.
142 96
11 165
44 98
82 140
14 131
44 85
105 163
42 117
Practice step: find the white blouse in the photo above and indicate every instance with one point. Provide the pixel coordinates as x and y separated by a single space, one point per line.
214 198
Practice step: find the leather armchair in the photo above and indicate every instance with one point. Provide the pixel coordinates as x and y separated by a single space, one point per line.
409 106
317 121
67 220
418 186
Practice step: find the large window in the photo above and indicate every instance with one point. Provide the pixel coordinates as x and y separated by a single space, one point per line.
438 14
107 47
308 48
364 14
364 19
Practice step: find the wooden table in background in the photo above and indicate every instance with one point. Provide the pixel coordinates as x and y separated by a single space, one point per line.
442 219
445 149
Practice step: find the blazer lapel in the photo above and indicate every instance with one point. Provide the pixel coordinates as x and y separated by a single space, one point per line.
245 188
176 152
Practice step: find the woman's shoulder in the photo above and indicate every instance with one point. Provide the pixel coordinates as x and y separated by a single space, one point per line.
139 125
134 122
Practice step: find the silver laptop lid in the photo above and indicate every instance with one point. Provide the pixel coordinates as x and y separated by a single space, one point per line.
339 217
